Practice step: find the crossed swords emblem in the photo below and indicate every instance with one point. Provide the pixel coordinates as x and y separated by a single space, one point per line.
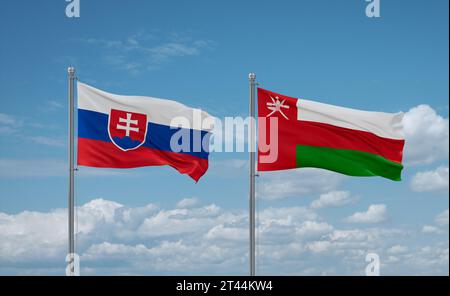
276 105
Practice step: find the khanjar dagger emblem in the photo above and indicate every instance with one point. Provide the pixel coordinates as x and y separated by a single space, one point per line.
276 105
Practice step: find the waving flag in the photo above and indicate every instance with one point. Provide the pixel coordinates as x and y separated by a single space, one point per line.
348 141
130 131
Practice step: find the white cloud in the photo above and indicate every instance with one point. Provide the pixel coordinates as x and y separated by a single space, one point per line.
49 141
187 202
165 51
442 218
313 229
319 246
51 105
436 180
38 236
6 130
228 233
353 235
333 199
7 119
374 214
426 135
441 221
9 124
229 168
430 257
285 215
179 221
431 229
13 167
101 209
115 239
50 167
142 51
397 249
295 183
54 104
110 232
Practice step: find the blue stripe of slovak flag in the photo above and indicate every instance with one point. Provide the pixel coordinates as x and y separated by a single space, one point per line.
94 125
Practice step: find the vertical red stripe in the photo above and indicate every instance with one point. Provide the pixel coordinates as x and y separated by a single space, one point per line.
286 148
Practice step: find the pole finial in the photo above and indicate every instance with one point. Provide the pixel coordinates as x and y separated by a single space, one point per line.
251 76
71 70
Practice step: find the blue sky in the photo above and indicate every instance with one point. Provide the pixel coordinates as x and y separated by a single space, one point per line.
202 52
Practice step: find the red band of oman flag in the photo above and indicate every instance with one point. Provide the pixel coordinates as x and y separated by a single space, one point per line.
348 141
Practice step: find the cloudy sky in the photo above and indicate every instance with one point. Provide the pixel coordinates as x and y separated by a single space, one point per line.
156 221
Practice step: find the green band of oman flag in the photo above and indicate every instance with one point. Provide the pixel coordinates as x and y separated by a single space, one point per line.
348 141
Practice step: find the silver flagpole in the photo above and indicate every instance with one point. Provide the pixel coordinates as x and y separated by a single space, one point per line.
71 208
252 78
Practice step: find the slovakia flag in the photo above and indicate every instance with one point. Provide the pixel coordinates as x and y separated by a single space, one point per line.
130 131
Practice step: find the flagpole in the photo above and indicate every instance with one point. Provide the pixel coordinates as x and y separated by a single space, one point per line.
71 206
252 251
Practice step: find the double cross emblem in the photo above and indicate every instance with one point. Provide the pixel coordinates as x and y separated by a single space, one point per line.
127 127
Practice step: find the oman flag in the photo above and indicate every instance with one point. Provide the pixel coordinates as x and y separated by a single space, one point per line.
312 134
